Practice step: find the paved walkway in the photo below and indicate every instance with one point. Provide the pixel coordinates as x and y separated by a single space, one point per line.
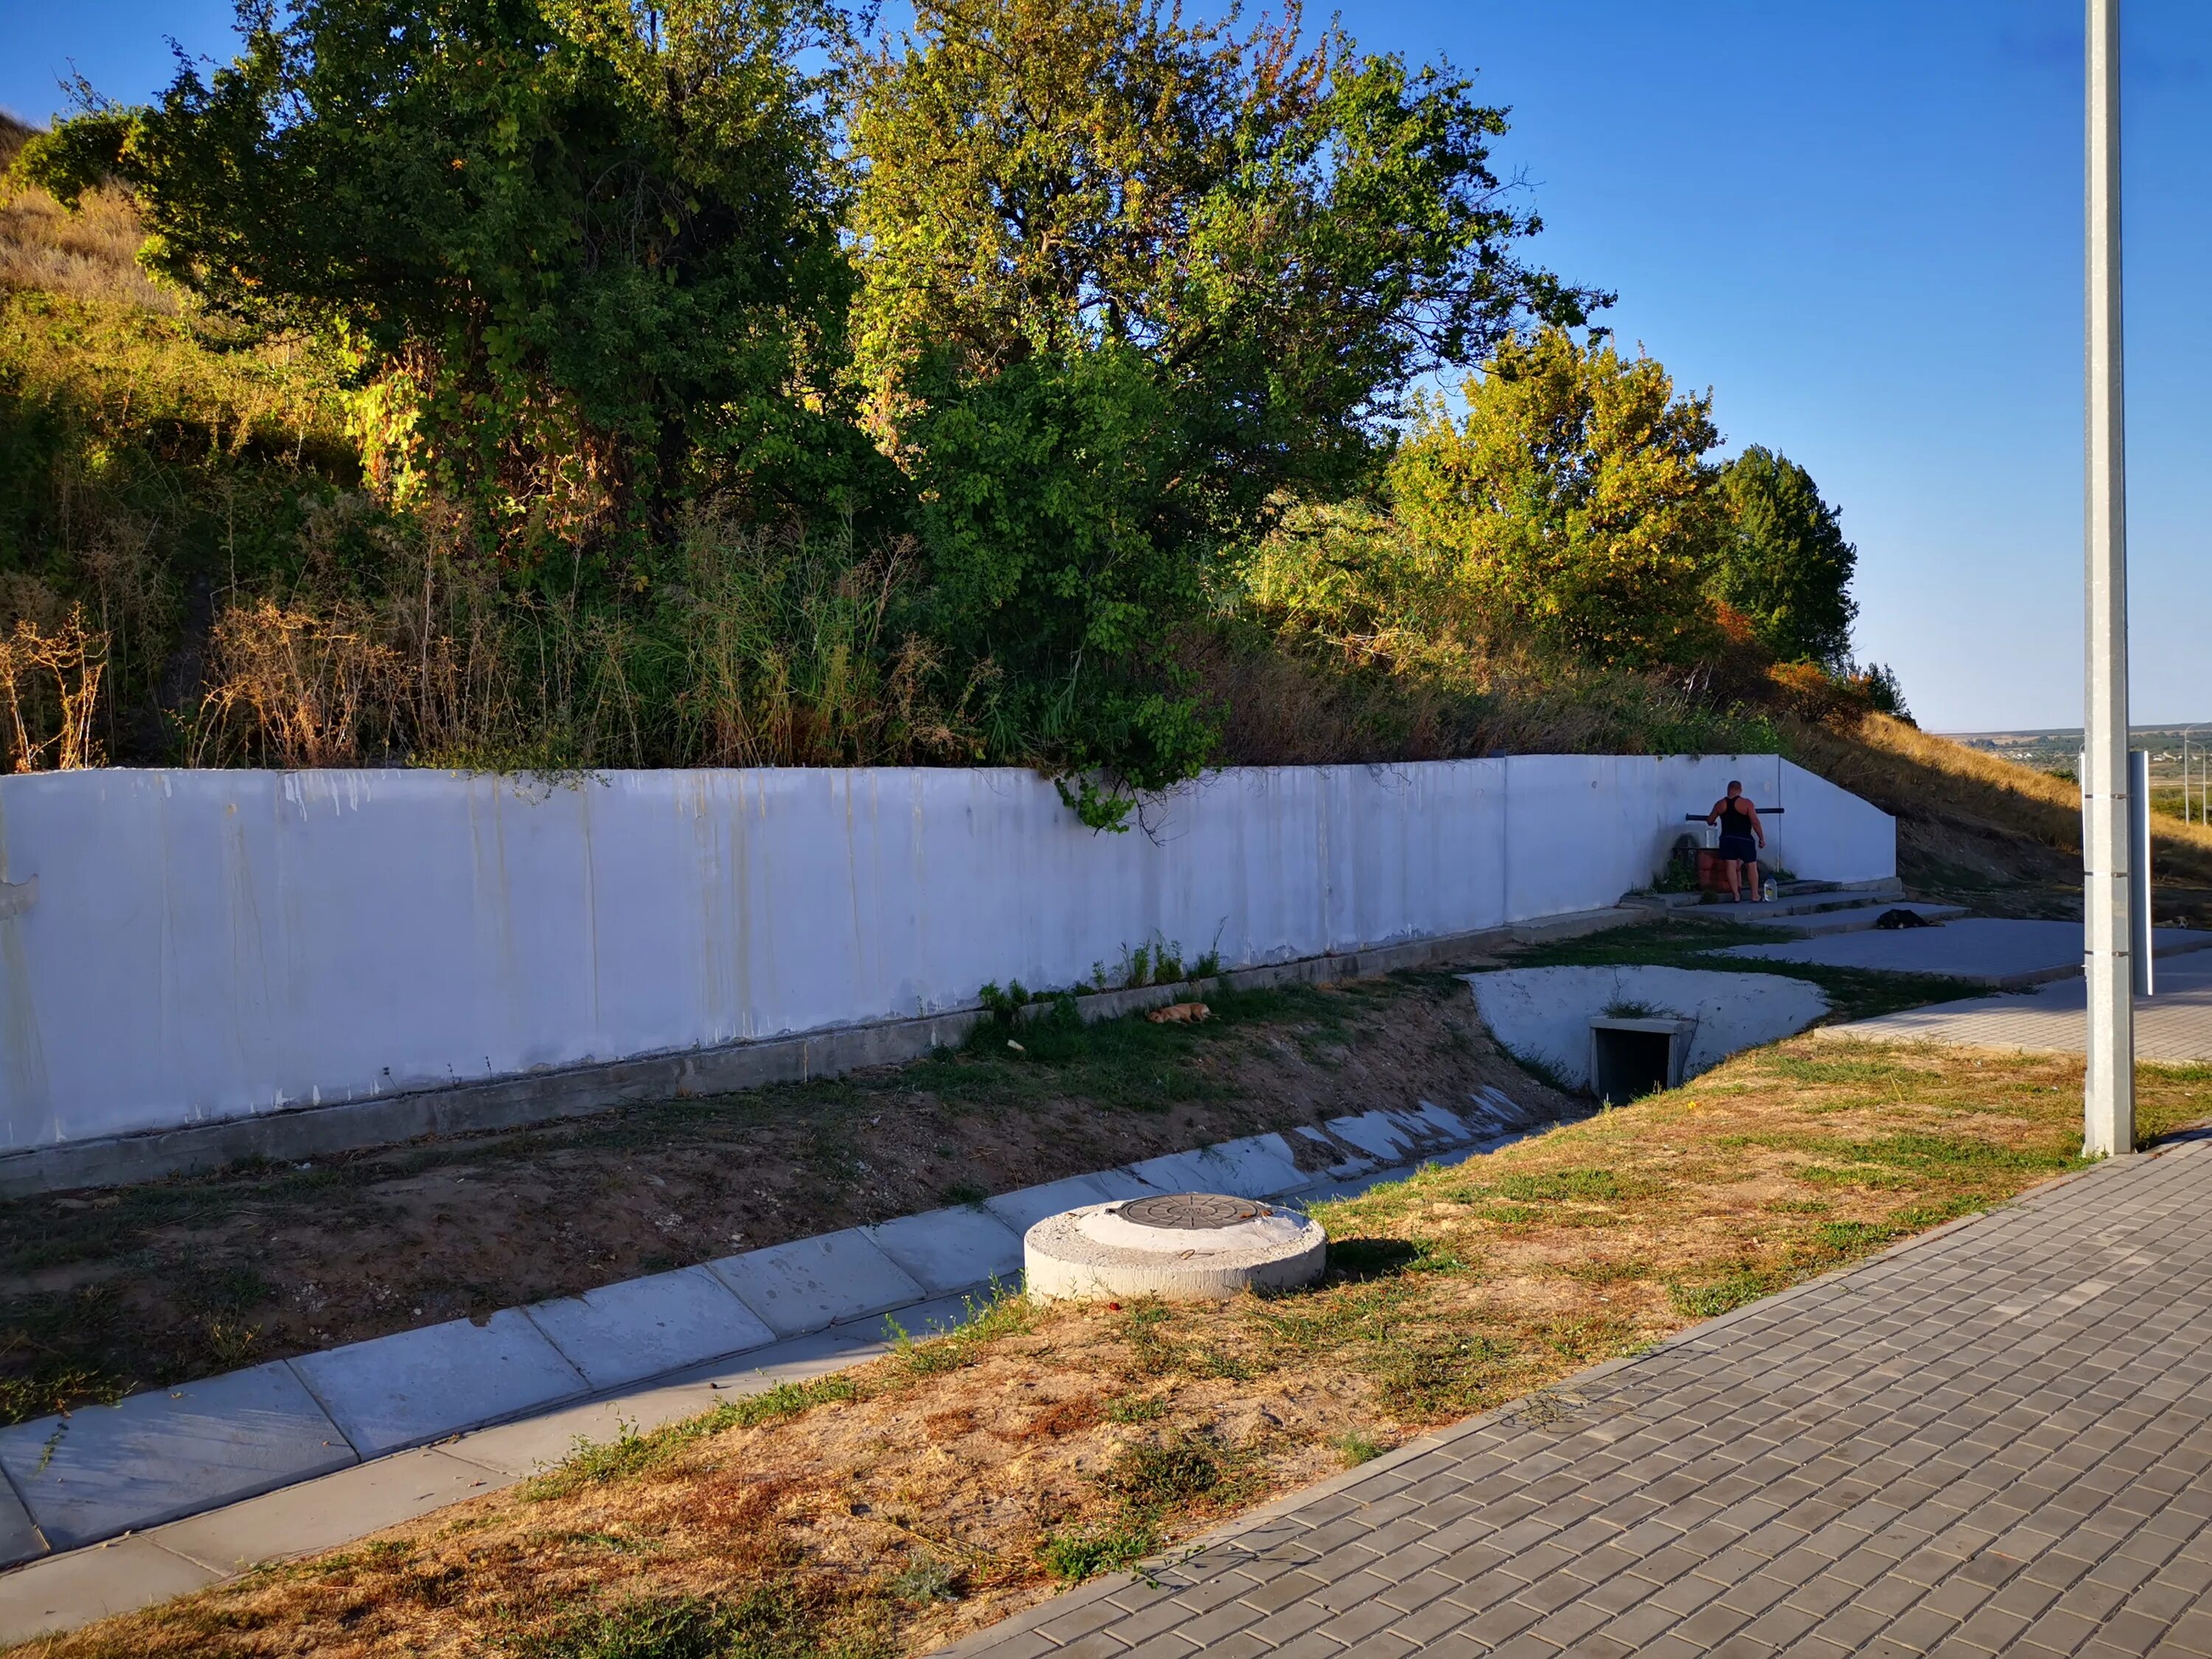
1997 1438
1984 950
2174 1026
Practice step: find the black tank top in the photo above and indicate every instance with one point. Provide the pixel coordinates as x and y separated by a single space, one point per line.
1736 816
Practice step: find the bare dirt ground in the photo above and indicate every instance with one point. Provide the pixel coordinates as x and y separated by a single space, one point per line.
102 1293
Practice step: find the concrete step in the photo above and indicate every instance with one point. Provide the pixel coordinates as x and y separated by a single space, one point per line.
1824 896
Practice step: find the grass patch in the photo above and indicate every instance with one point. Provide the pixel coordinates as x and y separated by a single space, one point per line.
767 1622
1002 1312
1716 1296
1569 1186
1357 1446
630 1454
1086 1551
1149 1478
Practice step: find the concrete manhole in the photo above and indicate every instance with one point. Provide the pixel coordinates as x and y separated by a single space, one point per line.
1183 1246
1192 1210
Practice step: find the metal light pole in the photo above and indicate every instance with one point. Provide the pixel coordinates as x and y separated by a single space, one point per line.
2108 1104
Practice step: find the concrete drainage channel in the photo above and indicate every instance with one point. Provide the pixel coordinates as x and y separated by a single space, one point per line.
1620 1032
114 1508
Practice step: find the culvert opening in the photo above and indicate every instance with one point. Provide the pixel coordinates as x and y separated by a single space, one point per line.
1627 1063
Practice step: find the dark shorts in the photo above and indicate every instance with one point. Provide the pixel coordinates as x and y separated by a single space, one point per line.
1739 849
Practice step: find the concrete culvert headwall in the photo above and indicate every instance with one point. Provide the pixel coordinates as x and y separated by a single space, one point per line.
1543 1016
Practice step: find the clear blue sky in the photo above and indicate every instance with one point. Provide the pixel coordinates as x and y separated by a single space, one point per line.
1859 224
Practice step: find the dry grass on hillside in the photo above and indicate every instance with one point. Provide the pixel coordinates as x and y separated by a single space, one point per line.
90 255
1996 833
889 1511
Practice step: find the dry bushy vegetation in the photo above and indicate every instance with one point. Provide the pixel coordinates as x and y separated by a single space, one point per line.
891 1509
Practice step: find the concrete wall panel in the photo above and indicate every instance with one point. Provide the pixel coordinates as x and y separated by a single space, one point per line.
204 946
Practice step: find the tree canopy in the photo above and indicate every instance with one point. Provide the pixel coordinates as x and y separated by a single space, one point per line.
583 257
693 382
1127 280
1784 562
1573 496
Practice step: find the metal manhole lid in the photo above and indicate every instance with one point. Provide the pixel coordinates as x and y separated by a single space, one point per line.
1191 1211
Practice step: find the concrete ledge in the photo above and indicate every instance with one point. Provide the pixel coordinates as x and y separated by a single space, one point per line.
550 1095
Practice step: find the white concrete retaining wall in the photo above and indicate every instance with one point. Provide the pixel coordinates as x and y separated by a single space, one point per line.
182 947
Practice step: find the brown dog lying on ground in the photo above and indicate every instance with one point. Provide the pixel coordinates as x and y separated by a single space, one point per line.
1180 1013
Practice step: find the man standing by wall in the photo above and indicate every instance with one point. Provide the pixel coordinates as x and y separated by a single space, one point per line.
1742 835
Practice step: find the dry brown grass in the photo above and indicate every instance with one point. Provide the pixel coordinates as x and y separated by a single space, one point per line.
92 254
892 1509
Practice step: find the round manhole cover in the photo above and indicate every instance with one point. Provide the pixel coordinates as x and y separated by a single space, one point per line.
1191 1209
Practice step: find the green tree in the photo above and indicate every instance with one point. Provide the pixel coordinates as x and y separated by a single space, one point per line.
1783 561
1127 280
582 256
1573 500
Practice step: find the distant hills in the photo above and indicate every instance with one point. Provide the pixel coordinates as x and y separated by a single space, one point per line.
2057 749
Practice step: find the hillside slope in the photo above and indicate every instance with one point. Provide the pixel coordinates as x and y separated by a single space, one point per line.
1991 833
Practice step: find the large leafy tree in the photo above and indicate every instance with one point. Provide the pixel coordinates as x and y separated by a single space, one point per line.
583 254
1127 280
1783 561
1573 500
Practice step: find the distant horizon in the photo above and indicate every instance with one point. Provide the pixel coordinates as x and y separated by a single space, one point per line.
1861 228
2054 730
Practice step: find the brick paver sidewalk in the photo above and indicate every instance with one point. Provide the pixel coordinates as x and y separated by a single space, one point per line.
1997 1438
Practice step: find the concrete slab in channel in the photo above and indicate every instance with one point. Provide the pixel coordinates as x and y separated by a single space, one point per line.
19 1534
1345 1163
65 1591
1023 1209
812 1282
1498 1104
952 1249
401 1390
643 1327
106 1469
1443 1124
320 1515
1257 1166
1381 1134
